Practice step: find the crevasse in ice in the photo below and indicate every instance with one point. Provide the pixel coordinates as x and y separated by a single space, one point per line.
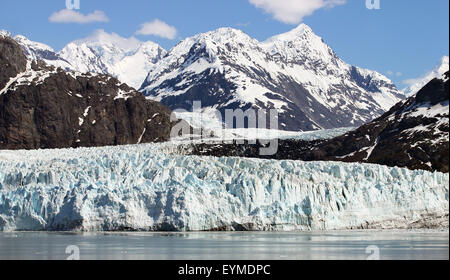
146 187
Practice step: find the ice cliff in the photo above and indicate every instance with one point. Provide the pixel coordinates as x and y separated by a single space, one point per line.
145 187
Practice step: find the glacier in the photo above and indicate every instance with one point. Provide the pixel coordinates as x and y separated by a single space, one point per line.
152 187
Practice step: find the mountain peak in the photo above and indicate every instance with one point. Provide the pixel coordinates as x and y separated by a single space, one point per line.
414 85
29 44
227 31
101 38
444 66
296 73
301 28
4 33
301 31
212 41
222 35
127 59
77 113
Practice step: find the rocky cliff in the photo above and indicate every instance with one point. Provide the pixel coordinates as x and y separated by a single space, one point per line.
46 107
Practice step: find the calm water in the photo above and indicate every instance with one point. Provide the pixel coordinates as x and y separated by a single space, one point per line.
231 246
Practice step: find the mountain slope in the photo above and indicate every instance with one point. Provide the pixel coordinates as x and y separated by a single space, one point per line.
437 72
295 73
46 107
128 60
413 134
39 51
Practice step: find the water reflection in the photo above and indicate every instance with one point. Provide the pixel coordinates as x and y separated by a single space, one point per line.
226 245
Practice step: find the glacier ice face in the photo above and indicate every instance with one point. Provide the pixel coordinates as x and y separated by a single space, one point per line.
146 187
208 121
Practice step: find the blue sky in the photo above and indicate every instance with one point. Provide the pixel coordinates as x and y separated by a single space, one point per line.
403 40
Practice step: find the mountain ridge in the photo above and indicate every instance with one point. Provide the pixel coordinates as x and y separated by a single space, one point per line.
437 72
413 134
129 60
295 73
45 107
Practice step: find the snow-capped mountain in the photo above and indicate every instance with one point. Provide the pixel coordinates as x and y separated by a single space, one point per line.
437 72
413 134
296 73
127 59
34 51
42 106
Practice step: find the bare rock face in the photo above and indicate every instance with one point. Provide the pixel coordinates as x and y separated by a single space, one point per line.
12 60
413 134
45 107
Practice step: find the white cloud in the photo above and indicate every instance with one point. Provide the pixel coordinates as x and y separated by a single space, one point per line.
71 16
293 11
158 28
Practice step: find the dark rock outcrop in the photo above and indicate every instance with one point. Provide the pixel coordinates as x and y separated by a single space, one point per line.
12 60
413 134
44 107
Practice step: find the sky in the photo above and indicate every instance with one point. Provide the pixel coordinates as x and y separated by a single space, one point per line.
403 39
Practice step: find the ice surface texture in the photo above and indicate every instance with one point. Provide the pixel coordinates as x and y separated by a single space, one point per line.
144 187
